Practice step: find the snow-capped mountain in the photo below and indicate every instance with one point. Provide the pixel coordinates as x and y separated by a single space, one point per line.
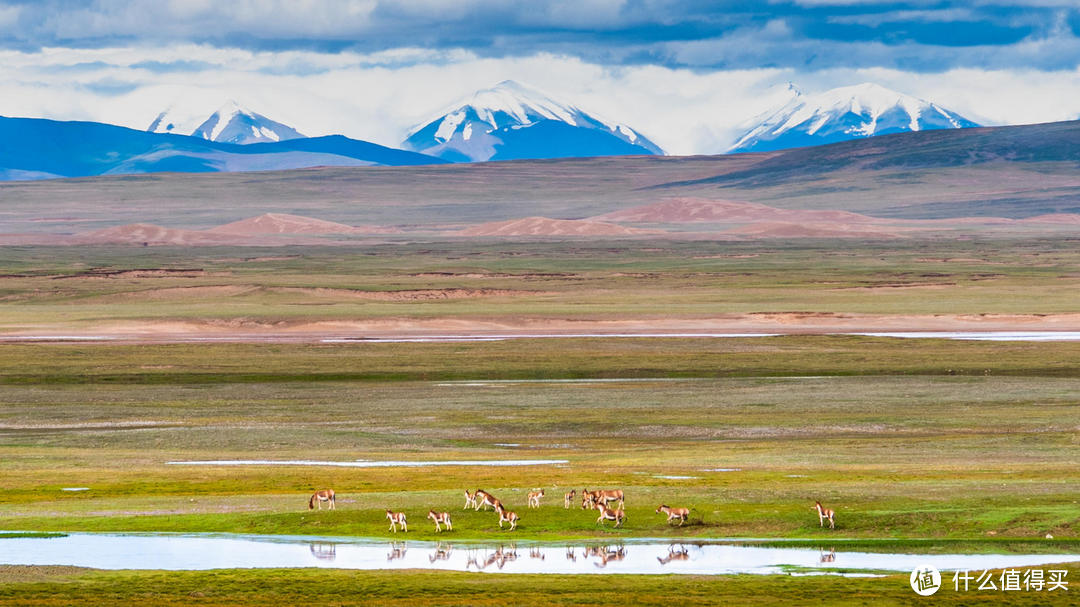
849 112
513 121
231 123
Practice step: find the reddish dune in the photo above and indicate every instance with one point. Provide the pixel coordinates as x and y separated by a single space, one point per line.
1058 218
700 210
283 223
543 226
778 229
145 233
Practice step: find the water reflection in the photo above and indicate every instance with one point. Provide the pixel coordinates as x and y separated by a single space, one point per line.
220 551
324 551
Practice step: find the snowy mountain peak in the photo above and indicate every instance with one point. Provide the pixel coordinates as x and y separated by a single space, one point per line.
849 112
482 127
230 123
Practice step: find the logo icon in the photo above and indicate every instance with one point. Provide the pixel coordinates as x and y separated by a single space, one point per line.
925 580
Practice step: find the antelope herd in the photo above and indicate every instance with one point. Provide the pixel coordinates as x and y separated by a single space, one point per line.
599 499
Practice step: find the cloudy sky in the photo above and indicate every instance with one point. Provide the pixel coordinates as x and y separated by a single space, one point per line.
689 75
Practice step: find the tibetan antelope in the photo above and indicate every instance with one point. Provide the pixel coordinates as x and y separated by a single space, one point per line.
440 517
607 514
483 499
568 498
470 500
824 513
674 513
534 498
506 516
681 554
397 518
320 496
601 496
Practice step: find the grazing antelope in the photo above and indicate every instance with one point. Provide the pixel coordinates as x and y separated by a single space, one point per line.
607 514
470 500
534 498
506 516
681 554
674 513
483 498
824 513
568 498
440 517
397 518
320 496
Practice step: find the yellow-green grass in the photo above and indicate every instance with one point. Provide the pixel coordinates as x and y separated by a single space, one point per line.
70 586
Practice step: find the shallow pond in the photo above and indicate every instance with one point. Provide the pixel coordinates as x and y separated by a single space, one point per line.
648 556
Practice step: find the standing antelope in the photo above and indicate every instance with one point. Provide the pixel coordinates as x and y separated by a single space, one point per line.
483 498
568 498
602 496
470 500
397 518
506 516
320 496
607 514
440 517
824 513
674 513
534 498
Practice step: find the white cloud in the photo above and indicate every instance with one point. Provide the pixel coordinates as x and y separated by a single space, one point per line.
377 97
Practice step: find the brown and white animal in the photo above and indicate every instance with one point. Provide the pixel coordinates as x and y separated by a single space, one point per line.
606 555
607 514
442 553
674 513
484 499
534 498
824 513
440 517
601 496
470 500
506 516
397 518
568 498
320 496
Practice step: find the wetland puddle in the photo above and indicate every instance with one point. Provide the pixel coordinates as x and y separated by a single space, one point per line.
225 551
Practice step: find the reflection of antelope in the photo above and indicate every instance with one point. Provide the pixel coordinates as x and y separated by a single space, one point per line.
500 557
568 498
534 498
824 513
536 553
607 514
571 554
607 555
470 500
681 554
483 499
674 513
397 518
323 551
442 553
506 516
397 551
830 557
440 517
320 496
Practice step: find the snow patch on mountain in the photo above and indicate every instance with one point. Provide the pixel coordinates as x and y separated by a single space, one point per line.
231 123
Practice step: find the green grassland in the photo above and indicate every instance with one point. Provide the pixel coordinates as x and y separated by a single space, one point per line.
70 287
931 445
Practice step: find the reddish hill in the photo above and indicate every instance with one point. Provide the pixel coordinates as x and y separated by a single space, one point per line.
543 226
283 223
700 210
145 233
